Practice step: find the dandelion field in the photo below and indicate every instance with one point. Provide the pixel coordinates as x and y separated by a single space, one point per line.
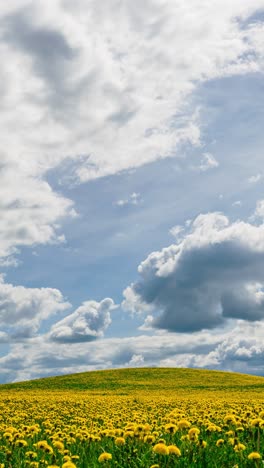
134 418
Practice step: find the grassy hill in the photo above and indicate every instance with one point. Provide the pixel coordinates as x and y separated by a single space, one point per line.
136 418
127 381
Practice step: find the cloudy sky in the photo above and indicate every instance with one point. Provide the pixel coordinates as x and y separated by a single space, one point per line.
131 185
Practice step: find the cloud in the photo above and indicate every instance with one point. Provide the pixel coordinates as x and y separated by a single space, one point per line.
23 309
30 210
238 349
119 98
208 162
259 211
86 323
133 199
255 178
98 100
213 274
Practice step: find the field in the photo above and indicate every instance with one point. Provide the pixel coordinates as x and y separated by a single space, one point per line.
134 418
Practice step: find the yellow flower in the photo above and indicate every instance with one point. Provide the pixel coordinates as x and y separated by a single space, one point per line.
21 443
184 424
173 450
104 457
68 464
193 432
31 455
120 441
58 445
239 447
255 422
149 438
254 456
219 442
155 466
161 449
171 428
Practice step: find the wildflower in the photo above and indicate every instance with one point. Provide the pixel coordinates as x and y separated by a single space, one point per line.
161 449
255 422
155 466
184 424
21 443
68 464
149 438
120 441
193 433
202 443
219 442
104 457
254 456
173 450
239 447
58 445
171 428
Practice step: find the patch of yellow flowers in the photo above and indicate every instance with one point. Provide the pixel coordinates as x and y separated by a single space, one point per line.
66 429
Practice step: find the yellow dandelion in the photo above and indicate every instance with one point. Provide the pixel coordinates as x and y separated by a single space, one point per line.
171 428
120 441
105 456
58 445
219 442
21 443
173 450
184 424
68 464
161 449
239 447
254 456
149 438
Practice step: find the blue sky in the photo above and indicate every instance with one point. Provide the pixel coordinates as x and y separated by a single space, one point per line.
131 186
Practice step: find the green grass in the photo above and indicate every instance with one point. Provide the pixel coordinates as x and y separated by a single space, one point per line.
128 380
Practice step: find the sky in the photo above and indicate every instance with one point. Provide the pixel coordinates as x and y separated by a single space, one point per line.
131 186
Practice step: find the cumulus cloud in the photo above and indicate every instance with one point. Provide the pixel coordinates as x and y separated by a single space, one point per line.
103 98
239 349
23 309
116 96
214 273
86 323
30 210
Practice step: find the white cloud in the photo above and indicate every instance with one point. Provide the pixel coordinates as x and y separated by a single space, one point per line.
23 309
175 231
255 178
239 349
86 323
133 199
105 98
208 162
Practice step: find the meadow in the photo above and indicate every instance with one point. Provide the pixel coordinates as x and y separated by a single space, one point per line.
151 418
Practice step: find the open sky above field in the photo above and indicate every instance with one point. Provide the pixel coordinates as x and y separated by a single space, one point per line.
131 185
